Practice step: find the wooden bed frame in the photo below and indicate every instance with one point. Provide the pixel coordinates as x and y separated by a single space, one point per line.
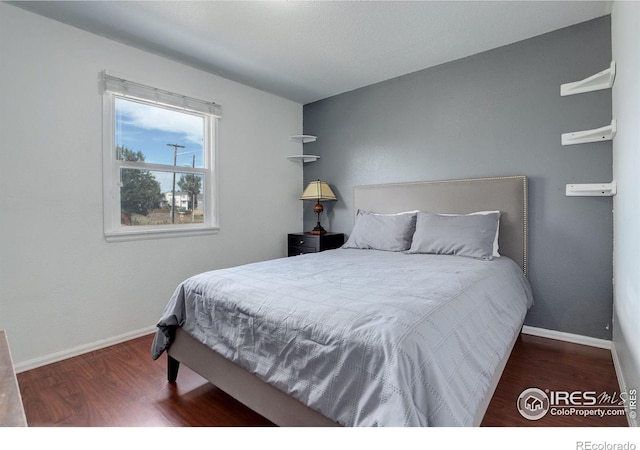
506 194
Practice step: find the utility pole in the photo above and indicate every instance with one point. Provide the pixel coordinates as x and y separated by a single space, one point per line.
193 200
173 191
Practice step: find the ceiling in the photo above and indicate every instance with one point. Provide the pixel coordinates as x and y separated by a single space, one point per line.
310 50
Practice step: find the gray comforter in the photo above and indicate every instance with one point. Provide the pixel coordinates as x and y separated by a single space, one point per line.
367 338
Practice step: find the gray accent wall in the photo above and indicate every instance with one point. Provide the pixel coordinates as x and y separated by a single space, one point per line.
492 114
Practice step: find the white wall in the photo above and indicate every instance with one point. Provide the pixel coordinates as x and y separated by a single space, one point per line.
625 19
63 289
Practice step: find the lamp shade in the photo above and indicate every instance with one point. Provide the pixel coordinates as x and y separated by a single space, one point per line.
319 191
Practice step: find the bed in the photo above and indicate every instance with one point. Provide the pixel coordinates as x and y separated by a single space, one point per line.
413 334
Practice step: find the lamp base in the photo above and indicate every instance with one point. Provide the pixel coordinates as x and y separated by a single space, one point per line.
318 230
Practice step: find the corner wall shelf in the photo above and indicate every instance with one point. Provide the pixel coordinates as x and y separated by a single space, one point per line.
601 80
592 190
303 158
605 133
303 138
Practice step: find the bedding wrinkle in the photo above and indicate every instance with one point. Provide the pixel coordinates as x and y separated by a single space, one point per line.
375 338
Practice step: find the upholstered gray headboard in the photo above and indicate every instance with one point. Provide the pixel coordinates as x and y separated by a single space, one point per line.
505 194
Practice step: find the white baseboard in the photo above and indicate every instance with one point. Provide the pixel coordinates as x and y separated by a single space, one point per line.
81 349
623 385
567 337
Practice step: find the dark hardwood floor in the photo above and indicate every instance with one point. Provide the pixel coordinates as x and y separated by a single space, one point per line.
553 365
120 386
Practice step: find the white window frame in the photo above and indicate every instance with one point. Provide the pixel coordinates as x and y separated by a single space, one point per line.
114 231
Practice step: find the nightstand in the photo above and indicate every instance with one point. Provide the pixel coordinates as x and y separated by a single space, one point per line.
301 243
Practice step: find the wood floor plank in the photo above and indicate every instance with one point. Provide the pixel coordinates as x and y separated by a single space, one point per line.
121 386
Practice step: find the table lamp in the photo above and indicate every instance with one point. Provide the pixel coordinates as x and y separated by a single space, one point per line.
319 191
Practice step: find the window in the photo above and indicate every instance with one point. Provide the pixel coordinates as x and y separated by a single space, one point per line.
159 160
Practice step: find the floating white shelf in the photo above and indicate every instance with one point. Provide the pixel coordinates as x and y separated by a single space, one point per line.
304 158
303 138
606 133
592 190
601 80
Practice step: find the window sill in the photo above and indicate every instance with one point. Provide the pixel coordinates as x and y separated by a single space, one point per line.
137 235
